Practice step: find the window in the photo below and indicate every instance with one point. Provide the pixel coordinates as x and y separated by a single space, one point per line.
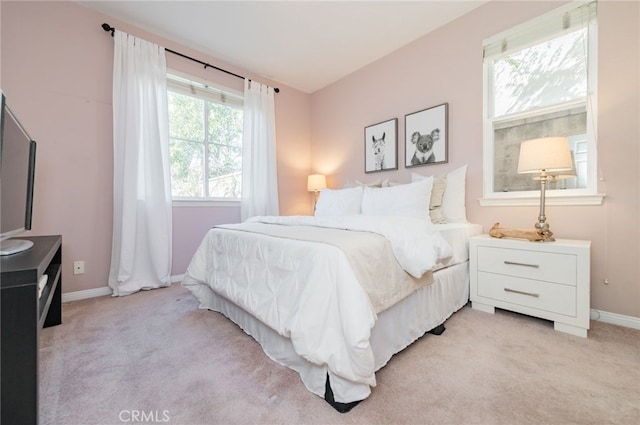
205 141
540 81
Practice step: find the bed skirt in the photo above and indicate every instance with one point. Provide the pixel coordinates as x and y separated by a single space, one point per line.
395 329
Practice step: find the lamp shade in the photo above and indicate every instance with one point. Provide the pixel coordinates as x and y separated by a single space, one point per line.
316 182
548 153
564 174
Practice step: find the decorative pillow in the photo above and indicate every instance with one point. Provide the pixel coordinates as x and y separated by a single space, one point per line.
435 206
389 183
358 183
337 202
453 204
437 193
407 200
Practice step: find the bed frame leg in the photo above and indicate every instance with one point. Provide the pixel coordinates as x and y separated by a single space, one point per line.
345 407
438 330
340 407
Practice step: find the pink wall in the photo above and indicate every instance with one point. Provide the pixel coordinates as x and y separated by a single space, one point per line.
56 65
56 72
446 66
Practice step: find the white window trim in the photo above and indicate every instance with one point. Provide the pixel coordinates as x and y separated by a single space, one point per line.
585 196
205 202
177 81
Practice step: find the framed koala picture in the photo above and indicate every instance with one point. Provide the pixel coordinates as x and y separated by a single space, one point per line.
425 135
381 146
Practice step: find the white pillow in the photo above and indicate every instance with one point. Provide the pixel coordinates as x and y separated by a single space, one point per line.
453 203
407 200
337 202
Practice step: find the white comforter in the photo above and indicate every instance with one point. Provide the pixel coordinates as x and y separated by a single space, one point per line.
416 243
308 291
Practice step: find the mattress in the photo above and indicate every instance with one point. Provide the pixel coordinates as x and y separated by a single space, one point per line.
458 235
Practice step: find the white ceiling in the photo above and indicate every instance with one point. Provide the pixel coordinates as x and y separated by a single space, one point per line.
303 44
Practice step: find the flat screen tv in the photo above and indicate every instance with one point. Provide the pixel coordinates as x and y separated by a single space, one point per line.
17 172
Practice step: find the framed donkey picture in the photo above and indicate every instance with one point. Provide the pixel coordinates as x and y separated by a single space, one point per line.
426 136
381 146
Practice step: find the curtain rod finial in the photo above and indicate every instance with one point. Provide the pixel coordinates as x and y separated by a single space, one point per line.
108 27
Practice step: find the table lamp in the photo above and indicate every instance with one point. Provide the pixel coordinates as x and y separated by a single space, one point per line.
545 156
315 183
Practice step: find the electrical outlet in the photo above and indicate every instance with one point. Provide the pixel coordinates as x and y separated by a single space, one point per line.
78 267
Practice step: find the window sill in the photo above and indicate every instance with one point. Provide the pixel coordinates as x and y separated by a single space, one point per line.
513 200
177 203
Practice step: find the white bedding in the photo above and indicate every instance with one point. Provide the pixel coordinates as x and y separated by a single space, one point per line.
416 243
369 254
457 235
308 293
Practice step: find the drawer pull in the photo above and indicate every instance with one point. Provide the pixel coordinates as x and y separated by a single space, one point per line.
512 263
531 294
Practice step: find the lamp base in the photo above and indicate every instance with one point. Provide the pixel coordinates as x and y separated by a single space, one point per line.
546 235
542 227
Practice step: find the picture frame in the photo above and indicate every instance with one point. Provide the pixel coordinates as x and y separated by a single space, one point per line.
381 146
426 136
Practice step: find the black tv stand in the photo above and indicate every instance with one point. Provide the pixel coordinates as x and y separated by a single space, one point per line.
24 311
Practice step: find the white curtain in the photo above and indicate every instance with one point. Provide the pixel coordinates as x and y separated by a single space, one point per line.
259 176
141 245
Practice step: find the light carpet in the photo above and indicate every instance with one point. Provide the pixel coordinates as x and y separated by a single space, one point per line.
154 357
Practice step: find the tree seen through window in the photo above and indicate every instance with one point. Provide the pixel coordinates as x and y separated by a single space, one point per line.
205 148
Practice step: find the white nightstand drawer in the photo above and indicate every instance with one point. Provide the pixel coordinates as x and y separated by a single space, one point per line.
544 296
529 264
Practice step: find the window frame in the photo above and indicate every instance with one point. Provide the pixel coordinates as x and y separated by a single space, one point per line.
182 83
527 35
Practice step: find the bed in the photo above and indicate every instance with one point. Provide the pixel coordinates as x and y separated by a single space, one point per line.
334 296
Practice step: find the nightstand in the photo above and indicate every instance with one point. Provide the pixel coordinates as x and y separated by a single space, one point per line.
549 280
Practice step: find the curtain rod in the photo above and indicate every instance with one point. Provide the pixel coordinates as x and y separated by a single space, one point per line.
111 29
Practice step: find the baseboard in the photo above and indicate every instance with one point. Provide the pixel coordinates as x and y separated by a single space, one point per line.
616 319
101 292
87 293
